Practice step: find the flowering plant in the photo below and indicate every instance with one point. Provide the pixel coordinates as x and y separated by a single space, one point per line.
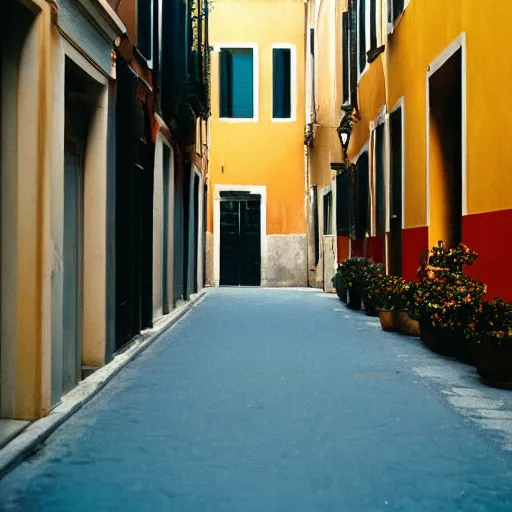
452 259
491 321
446 298
357 272
388 293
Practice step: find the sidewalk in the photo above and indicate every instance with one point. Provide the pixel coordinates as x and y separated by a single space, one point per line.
23 438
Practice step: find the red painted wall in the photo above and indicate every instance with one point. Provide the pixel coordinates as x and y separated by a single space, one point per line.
357 248
414 245
490 234
377 248
343 242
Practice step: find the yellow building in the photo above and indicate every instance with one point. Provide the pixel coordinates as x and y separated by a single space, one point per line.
55 155
428 154
256 216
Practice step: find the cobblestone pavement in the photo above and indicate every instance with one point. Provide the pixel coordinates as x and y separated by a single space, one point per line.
278 400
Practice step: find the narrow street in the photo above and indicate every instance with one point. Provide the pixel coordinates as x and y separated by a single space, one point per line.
278 400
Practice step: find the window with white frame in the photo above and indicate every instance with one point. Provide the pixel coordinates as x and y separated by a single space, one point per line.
282 82
328 213
237 83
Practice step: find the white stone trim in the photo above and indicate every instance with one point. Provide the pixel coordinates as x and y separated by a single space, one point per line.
367 30
83 62
217 47
293 82
379 120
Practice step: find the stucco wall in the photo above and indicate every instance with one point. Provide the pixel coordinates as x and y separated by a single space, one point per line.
262 153
286 263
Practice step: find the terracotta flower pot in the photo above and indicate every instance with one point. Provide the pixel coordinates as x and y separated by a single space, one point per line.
445 342
406 325
354 298
493 362
387 320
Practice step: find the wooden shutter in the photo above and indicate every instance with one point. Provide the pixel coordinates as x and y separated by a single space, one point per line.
346 57
363 196
342 203
373 24
380 184
281 78
144 29
352 201
398 8
316 227
353 52
362 35
328 213
242 83
226 84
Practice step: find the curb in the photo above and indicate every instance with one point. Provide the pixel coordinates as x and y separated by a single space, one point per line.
32 438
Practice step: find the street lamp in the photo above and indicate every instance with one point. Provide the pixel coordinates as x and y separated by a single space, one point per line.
347 122
344 131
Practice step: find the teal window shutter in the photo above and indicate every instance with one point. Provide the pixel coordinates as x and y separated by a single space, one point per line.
236 83
281 96
243 87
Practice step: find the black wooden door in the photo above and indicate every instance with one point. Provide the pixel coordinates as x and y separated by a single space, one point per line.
396 193
240 241
179 234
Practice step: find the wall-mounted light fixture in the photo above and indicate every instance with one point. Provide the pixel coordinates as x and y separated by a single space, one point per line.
351 116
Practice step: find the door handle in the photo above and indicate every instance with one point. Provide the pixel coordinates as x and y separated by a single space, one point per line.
394 217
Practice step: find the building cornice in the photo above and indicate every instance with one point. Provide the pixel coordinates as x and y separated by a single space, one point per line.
104 16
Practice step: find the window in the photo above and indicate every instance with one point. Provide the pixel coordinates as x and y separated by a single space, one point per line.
145 28
281 96
362 35
328 213
395 9
380 184
237 83
345 56
373 24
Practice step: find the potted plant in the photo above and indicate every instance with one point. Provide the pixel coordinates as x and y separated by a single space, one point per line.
404 324
340 285
356 273
452 259
490 333
443 301
374 273
390 295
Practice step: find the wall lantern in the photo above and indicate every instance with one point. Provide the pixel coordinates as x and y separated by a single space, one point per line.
351 116
344 131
